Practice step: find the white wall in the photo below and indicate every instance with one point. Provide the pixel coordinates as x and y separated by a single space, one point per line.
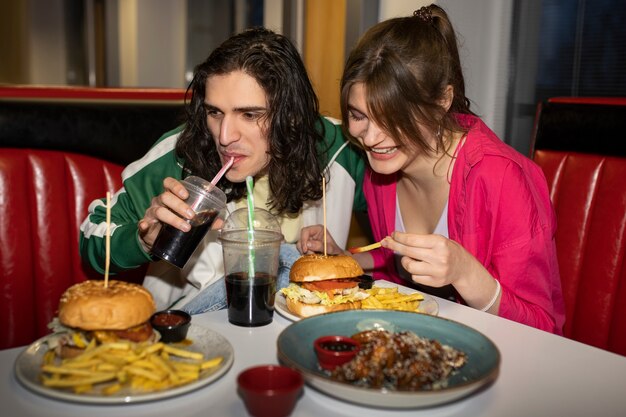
46 42
273 15
153 40
152 43
485 32
483 28
397 8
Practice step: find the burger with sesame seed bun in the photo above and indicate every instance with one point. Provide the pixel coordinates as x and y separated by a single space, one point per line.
89 311
323 284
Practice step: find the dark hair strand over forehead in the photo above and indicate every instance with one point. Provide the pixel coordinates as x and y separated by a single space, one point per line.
406 65
292 117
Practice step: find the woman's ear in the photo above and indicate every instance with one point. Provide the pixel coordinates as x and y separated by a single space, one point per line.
448 96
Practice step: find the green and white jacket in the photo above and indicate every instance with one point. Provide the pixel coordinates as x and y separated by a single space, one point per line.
143 180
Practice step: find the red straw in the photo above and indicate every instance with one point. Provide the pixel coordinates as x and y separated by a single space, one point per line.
222 171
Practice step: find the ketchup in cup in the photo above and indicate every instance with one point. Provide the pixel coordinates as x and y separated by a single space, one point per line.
172 325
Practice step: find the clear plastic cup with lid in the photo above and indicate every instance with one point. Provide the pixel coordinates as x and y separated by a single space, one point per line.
209 203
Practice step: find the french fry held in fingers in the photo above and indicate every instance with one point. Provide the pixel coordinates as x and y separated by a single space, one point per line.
365 248
391 299
111 367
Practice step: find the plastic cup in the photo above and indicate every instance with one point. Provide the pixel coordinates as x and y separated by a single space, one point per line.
250 298
209 203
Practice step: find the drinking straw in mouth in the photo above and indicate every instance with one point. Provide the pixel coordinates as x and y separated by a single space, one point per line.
222 171
250 187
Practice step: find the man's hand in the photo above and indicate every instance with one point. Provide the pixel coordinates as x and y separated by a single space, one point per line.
312 240
170 208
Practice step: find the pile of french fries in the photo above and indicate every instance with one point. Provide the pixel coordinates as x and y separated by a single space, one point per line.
391 299
140 366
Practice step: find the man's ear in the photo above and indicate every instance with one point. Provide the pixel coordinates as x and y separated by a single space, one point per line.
448 96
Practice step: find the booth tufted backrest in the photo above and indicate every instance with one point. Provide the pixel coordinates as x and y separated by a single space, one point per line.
61 148
45 195
580 143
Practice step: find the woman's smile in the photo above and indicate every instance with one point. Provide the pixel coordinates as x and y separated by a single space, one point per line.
383 153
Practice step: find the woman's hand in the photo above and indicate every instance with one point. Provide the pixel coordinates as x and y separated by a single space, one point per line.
163 209
436 261
312 240
431 260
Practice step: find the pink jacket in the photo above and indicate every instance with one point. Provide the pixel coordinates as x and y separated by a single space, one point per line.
499 209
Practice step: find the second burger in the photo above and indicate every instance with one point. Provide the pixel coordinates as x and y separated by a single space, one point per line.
323 284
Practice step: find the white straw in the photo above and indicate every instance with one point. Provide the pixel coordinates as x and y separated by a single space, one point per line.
222 171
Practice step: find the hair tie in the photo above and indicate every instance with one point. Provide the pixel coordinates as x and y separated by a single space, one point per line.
424 14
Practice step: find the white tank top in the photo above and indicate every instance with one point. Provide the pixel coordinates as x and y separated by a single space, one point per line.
440 229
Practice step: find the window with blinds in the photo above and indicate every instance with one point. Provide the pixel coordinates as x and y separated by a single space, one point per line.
563 48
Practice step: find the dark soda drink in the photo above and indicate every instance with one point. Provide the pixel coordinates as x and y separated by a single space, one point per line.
250 301
176 246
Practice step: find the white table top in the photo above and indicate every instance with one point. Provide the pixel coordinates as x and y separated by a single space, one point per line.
540 375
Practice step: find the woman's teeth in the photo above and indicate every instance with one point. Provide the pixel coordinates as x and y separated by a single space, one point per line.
383 151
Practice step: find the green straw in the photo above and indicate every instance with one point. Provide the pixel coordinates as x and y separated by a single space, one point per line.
250 186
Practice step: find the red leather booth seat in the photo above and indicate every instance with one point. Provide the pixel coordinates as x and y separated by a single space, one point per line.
579 143
60 148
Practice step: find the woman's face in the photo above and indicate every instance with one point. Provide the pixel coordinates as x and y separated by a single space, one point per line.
384 155
236 110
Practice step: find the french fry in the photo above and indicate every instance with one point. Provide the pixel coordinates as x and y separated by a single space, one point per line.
183 353
51 369
188 375
112 389
153 348
139 371
211 363
67 383
79 389
183 366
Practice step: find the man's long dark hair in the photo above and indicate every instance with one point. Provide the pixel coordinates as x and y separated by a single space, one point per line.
294 127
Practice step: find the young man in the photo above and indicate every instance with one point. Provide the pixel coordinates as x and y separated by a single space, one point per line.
252 101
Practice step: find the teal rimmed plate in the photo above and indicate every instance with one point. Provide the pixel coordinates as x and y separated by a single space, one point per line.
295 349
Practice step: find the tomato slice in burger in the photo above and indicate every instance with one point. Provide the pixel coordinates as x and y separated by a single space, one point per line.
138 333
329 285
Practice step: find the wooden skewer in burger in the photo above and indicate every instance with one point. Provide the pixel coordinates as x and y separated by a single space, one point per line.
324 283
106 311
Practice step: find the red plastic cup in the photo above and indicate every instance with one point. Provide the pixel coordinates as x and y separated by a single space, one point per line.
270 390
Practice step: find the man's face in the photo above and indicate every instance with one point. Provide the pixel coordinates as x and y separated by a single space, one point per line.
236 109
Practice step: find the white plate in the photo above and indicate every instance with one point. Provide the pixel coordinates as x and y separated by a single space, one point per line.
428 305
208 342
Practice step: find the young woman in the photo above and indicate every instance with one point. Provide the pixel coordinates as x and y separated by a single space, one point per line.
456 209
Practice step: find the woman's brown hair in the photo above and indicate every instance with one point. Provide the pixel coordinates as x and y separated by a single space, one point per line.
406 65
